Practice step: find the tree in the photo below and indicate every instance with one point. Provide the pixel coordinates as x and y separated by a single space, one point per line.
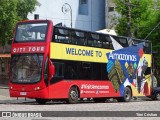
150 30
138 10
145 15
145 23
26 6
8 18
13 11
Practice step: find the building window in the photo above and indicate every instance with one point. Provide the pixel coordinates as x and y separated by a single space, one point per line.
110 9
83 7
83 1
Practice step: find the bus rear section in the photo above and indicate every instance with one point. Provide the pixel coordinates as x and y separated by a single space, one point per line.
118 74
50 63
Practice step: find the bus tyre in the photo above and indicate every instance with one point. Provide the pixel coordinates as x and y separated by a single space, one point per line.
73 95
156 96
41 101
127 95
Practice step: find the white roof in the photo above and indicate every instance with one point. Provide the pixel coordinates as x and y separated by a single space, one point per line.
107 31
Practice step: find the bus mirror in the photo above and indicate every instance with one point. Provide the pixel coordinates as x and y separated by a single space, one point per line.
51 69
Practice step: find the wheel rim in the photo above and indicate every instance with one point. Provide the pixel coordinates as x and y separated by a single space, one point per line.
127 95
158 96
74 95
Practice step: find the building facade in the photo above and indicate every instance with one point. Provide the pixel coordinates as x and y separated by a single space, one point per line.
4 63
79 14
111 15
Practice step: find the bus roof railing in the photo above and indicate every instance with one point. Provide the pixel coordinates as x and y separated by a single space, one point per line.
101 37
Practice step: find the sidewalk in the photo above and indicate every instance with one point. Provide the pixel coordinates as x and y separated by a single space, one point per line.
6 99
4 86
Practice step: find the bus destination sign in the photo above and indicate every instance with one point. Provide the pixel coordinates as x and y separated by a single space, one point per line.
28 49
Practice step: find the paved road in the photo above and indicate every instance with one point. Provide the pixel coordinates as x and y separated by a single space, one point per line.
11 104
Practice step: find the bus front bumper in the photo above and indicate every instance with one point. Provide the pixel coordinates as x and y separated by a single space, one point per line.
30 94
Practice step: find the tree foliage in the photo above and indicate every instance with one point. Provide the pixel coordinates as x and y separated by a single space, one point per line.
145 15
13 11
26 6
8 18
139 12
145 18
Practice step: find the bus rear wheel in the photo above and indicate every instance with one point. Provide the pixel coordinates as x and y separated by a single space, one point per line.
41 101
127 95
156 96
73 95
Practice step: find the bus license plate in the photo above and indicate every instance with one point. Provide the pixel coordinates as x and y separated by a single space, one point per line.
23 93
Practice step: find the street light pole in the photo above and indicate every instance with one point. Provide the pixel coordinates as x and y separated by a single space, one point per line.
128 5
129 18
66 8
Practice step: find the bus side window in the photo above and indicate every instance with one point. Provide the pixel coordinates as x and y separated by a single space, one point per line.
97 43
89 39
147 45
107 43
122 41
90 42
61 35
59 69
96 40
78 37
147 48
70 72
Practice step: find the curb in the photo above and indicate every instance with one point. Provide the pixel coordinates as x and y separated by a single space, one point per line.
4 87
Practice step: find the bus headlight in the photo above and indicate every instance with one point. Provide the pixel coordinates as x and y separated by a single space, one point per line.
37 88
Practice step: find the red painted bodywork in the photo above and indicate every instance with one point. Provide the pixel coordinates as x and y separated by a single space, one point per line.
60 89
32 47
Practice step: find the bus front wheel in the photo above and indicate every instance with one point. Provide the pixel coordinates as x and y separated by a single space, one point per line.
73 95
127 95
41 101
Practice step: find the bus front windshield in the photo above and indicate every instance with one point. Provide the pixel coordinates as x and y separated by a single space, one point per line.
26 68
31 32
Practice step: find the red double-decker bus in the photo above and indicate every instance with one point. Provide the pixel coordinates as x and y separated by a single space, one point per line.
51 62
